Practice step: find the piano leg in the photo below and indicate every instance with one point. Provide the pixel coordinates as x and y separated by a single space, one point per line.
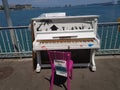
92 61
38 67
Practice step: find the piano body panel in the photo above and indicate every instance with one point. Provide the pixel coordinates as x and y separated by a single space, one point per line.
34 58
77 34
78 56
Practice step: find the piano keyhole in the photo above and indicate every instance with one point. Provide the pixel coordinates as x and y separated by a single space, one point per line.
46 29
63 28
83 27
72 28
76 27
80 28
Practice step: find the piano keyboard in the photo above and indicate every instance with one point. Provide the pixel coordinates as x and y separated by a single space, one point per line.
85 43
67 40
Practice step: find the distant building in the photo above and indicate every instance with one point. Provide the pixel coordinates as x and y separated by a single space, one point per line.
28 6
18 6
118 2
25 6
1 7
12 6
68 5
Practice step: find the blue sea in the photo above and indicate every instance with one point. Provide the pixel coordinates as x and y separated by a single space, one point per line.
108 13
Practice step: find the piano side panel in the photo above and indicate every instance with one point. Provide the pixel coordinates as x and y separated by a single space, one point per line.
34 58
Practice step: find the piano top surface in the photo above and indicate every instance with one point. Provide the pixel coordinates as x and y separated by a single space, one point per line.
67 17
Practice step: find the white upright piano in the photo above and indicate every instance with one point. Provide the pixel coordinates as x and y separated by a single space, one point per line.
56 31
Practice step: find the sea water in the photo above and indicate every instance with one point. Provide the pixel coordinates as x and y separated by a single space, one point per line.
108 13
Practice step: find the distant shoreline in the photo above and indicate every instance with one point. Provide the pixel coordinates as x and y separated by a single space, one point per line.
29 6
18 7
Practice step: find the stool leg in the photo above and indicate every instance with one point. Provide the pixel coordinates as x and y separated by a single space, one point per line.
68 83
71 73
52 80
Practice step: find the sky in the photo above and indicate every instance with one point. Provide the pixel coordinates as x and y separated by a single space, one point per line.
49 3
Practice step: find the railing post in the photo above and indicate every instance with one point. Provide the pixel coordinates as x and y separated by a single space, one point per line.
9 22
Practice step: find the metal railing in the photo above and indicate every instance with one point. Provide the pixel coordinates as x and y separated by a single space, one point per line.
109 34
24 42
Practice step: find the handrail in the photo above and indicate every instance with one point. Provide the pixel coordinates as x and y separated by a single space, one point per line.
109 23
14 27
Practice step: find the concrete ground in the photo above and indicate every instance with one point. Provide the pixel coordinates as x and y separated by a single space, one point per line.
19 75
